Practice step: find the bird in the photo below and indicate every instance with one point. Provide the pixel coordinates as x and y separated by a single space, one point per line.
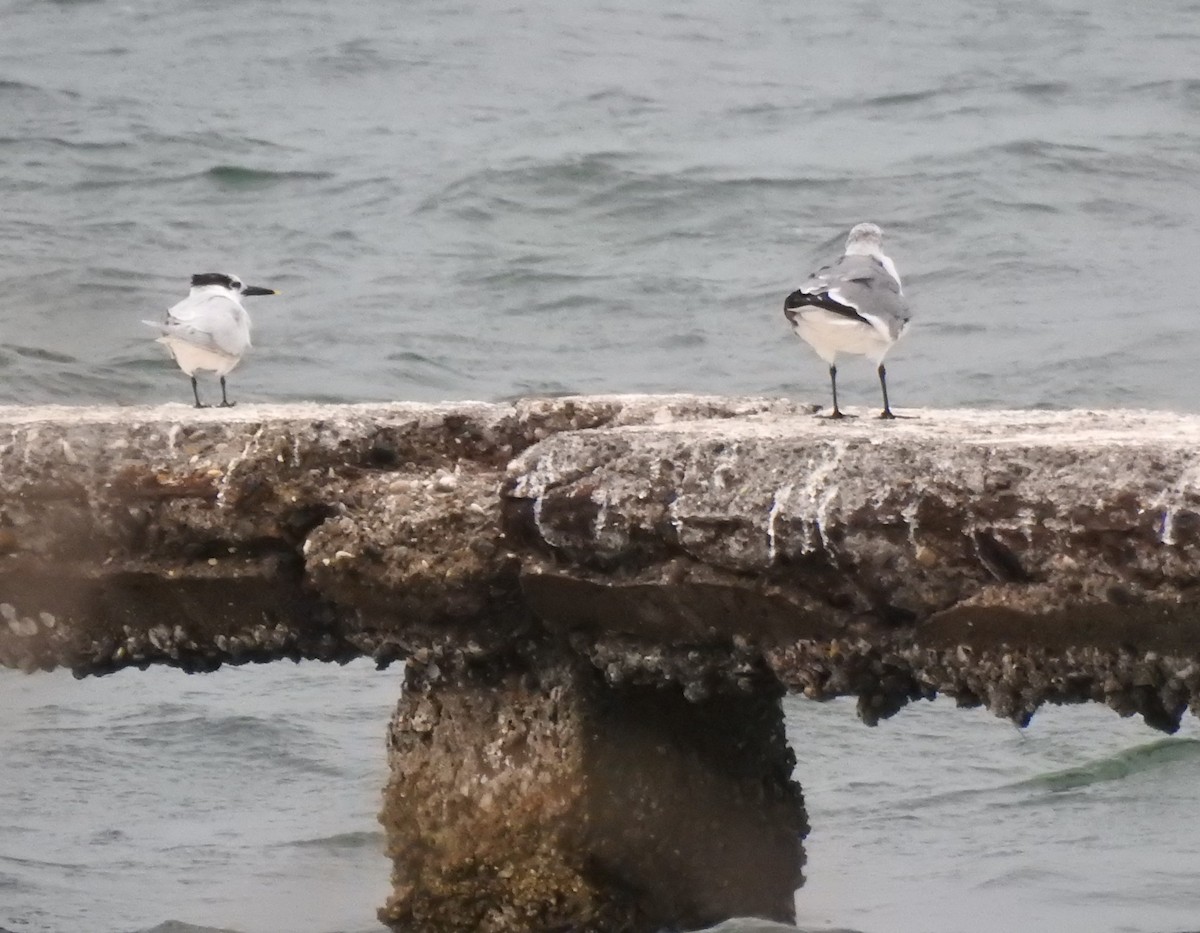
209 330
855 305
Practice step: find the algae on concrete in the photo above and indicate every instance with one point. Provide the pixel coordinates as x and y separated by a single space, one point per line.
600 602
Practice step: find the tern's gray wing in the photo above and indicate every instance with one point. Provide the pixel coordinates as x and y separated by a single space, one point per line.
859 285
213 322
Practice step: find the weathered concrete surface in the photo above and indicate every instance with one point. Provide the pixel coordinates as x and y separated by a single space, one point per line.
636 807
601 600
170 535
1006 558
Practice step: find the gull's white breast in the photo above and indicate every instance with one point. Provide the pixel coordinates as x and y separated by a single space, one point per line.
830 333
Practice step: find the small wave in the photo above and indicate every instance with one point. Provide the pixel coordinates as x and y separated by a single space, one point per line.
610 184
241 177
523 277
9 85
178 926
894 100
131 180
356 840
88 145
626 103
1042 90
545 388
755 925
105 836
908 97
40 863
41 354
1021 207
199 140
1171 86
362 56
109 51
571 302
684 340
1079 160
60 143
228 177
618 94
1044 147
955 328
412 356
760 108
238 738
1153 756
568 173
1133 212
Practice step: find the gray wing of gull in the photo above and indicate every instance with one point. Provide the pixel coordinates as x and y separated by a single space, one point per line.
862 284
213 323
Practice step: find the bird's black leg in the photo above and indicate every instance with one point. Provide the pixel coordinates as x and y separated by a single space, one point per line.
225 403
837 412
887 409
196 394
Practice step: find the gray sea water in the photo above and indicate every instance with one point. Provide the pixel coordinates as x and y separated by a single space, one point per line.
482 200
245 800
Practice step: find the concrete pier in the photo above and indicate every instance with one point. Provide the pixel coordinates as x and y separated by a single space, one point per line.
601 600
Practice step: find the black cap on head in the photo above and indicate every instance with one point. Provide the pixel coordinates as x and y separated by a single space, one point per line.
215 278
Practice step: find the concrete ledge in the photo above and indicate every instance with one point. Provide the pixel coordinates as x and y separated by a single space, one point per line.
581 588
1006 558
132 536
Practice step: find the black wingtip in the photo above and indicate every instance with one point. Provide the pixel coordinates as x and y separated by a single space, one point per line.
793 303
802 299
790 304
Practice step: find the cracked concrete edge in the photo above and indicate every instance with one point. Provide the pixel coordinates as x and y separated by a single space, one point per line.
975 506
1060 550
131 536
676 526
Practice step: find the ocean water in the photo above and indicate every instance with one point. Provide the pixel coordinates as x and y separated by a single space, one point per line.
465 200
487 200
246 800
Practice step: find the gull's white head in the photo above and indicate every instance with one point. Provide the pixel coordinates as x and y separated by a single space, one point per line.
227 282
864 240
867 240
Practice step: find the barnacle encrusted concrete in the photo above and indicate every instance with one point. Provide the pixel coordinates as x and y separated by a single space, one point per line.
601 601
133 536
538 797
1003 558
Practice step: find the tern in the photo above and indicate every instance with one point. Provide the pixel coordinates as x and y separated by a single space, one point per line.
209 330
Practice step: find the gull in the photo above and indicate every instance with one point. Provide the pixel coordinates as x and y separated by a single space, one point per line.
855 305
209 330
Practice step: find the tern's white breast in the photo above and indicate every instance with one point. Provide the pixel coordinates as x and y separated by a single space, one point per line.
192 359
